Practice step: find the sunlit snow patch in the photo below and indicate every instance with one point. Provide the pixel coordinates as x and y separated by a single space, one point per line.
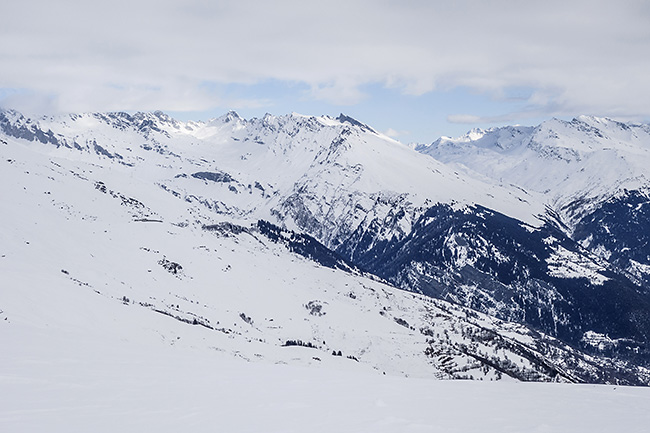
567 264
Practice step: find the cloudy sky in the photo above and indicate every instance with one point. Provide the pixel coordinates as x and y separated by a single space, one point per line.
415 69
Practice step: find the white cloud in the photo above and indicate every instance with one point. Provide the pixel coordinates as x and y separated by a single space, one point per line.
577 56
390 132
339 93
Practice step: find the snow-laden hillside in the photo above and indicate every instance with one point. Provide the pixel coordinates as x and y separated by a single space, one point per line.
89 250
592 173
166 220
588 159
126 307
269 161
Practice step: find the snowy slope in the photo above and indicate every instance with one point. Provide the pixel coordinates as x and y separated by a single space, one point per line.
141 292
88 250
283 154
143 229
586 159
592 173
71 384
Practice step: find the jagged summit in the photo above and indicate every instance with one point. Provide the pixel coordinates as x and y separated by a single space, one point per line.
499 139
347 119
231 116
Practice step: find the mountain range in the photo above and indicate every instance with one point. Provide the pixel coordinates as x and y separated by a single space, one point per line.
510 253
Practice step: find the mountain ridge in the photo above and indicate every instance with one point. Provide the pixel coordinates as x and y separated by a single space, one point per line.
342 187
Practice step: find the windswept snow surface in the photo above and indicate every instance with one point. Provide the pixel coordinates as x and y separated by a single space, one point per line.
76 383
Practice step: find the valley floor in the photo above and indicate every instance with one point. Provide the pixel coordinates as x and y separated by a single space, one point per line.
73 383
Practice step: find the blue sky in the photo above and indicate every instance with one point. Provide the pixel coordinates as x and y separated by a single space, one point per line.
409 118
414 69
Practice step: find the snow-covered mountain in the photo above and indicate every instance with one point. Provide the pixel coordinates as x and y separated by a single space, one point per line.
584 159
282 239
592 172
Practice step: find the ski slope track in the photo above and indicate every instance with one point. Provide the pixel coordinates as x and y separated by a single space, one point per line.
260 265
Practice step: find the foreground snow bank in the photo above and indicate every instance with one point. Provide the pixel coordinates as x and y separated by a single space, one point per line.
78 384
